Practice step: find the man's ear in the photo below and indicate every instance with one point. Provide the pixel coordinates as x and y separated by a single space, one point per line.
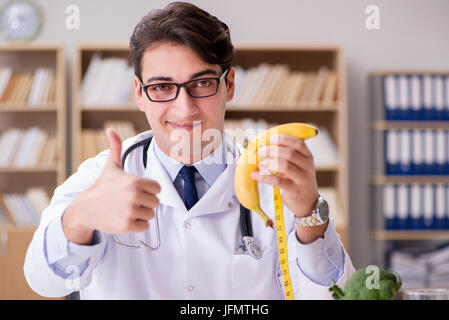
230 88
138 93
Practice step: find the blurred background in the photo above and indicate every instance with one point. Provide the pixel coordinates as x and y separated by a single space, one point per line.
372 75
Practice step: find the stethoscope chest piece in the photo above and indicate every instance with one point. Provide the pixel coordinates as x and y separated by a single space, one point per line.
249 247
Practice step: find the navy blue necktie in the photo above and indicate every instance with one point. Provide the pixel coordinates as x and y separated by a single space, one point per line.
190 193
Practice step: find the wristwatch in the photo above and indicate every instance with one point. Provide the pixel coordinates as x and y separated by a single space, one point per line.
318 217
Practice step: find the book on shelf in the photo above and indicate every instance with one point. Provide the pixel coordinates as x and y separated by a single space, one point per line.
26 88
25 209
124 129
261 94
325 152
40 87
49 155
26 147
38 198
20 219
305 95
330 89
257 84
317 92
297 81
30 148
5 76
277 85
10 143
247 85
5 219
95 141
239 79
107 82
88 144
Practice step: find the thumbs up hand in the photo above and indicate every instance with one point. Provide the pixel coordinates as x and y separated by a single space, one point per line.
115 149
116 203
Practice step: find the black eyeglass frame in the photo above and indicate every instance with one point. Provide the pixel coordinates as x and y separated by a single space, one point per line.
184 85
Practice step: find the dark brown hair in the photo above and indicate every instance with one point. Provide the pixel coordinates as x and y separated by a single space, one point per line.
186 24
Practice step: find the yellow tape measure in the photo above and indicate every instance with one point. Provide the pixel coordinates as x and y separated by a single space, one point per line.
282 243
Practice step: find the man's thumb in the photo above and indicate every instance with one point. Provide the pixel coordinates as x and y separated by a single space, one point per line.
115 148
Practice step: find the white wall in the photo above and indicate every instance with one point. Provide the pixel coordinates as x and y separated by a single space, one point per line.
413 35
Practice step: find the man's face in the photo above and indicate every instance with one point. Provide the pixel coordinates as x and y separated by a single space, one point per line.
185 119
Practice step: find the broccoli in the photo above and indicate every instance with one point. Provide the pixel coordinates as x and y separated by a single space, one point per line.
369 284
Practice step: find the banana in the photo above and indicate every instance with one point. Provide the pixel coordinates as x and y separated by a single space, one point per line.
245 186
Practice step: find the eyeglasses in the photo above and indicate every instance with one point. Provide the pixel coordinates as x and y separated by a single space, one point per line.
197 88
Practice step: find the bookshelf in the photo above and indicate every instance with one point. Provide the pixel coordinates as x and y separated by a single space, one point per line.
299 60
34 97
408 160
95 114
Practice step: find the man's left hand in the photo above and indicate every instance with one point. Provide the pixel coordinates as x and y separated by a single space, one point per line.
292 160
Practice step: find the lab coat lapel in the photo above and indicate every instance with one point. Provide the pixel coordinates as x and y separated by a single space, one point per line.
154 170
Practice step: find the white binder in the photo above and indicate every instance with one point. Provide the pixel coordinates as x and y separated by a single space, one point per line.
389 200
391 99
416 210
402 206
439 98
417 150
405 154
429 205
429 150
392 147
416 94
440 210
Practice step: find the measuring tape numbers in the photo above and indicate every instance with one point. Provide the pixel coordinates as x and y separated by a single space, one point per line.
282 244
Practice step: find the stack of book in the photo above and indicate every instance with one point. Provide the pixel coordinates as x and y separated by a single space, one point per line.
272 86
417 152
422 267
27 88
416 97
23 210
27 147
322 146
95 141
416 206
107 82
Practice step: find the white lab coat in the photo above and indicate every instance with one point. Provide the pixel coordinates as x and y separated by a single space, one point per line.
196 258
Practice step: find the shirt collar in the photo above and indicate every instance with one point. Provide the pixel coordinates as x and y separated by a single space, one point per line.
209 167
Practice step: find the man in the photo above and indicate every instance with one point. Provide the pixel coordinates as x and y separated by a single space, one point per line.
99 234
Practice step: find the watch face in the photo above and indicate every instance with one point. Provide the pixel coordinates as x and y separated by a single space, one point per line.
324 210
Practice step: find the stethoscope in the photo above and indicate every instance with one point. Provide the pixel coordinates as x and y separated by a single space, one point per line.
248 245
